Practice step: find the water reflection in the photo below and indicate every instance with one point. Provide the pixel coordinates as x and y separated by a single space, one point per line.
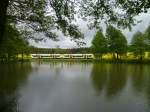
11 78
71 86
111 78
99 76
117 77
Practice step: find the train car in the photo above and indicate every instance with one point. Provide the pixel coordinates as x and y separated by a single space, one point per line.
55 56
44 56
35 56
63 56
77 56
88 56
67 56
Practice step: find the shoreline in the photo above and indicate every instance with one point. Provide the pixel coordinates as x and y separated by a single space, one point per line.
111 61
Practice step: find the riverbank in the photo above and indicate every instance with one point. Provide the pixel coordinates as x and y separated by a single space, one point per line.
133 61
113 61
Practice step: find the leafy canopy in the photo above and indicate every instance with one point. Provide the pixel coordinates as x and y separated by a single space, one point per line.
46 15
117 42
99 43
138 43
13 43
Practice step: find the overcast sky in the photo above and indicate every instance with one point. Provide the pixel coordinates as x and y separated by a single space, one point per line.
65 42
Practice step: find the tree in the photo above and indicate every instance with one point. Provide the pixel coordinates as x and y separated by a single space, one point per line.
99 44
118 12
147 38
33 14
117 42
138 44
147 32
13 44
3 16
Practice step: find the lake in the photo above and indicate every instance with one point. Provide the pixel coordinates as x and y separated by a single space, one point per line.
74 87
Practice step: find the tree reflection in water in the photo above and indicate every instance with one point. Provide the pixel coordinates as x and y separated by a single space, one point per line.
138 77
113 78
12 76
110 77
117 78
99 76
118 86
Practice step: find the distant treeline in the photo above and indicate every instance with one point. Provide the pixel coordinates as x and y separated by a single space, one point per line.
34 50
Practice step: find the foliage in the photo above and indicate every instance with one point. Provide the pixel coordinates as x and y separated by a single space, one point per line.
147 33
35 50
147 38
99 43
118 12
35 18
138 44
13 44
117 42
46 15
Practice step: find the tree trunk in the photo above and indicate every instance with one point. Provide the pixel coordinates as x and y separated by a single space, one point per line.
141 55
3 15
120 57
22 56
114 56
117 56
17 57
101 57
8 57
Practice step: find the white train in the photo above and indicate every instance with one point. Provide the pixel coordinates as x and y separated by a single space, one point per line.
62 56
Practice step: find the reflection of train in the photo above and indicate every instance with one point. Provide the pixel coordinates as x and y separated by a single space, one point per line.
63 56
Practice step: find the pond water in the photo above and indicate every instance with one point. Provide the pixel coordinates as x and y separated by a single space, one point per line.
74 87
